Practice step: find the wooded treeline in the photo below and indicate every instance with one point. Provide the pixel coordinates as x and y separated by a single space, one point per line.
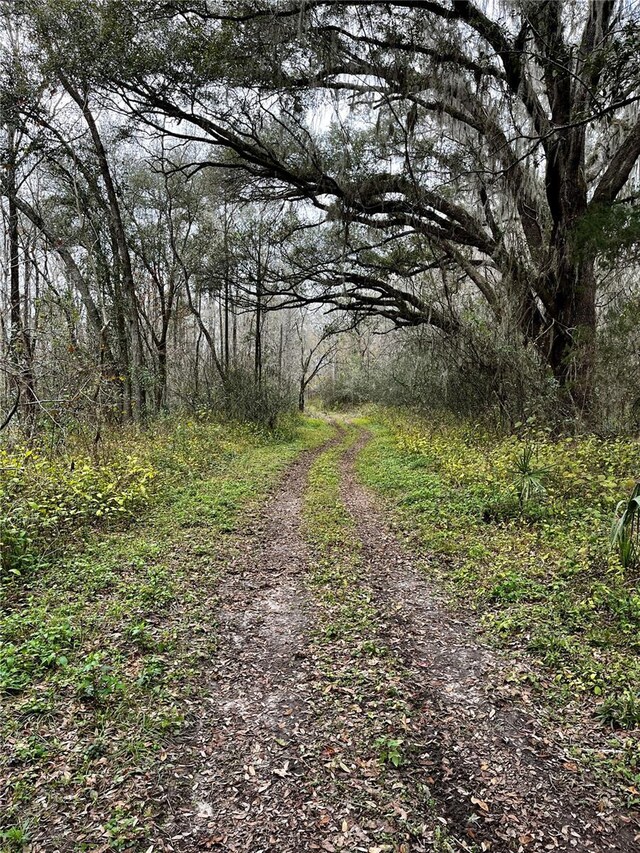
197 195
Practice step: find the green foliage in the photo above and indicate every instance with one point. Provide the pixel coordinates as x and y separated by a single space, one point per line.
17 555
123 829
607 231
626 529
96 678
13 839
621 710
484 373
46 500
31 749
140 634
541 573
243 399
101 649
390 750
529 476
49 500
32 643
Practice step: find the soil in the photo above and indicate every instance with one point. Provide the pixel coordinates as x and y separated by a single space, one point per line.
259 773
500 777
244 780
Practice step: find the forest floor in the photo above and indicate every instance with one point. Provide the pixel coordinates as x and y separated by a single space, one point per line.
294 681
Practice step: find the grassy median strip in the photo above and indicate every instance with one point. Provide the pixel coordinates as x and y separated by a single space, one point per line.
364 703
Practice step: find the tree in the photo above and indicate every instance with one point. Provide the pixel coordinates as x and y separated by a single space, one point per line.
488 132
455 165
316 352
12 94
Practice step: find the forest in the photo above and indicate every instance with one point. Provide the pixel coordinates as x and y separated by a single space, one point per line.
319 426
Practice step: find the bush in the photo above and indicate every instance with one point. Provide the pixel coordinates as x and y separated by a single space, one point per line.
345 393
44 501
243 399
482 373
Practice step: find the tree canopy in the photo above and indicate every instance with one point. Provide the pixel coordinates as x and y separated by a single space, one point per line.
426 161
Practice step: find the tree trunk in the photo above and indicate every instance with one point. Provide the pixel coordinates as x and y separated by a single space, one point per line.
117 226
572 283
258 336
19 344
226 319
124 350
161 387
572 350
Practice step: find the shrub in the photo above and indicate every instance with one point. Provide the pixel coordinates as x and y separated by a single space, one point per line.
244 400
44 500
626 528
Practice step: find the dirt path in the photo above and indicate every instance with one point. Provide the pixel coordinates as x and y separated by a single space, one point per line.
499 778
251 739
285 757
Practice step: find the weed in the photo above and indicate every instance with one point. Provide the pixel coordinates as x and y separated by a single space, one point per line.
371 648
169 719
91 617
529 476
521 533
31 750
47 647
13 839
152 674
157 591
512 587
123 829
621 711
96 678
626 528
139 633
96 749
390 750
442 841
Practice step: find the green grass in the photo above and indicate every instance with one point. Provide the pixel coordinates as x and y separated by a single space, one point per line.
103 646
534 563
331 530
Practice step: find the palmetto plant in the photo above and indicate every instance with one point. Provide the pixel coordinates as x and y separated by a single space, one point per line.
626 528
529 476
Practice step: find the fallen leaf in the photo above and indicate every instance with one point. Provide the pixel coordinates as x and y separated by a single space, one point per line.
480 803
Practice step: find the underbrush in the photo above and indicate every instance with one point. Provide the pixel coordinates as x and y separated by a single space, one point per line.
45 500
521 526
105 649
50 499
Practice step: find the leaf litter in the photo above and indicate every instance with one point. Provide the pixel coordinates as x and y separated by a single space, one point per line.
372 720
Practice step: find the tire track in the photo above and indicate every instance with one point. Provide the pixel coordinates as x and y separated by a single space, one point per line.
255 727
497 775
